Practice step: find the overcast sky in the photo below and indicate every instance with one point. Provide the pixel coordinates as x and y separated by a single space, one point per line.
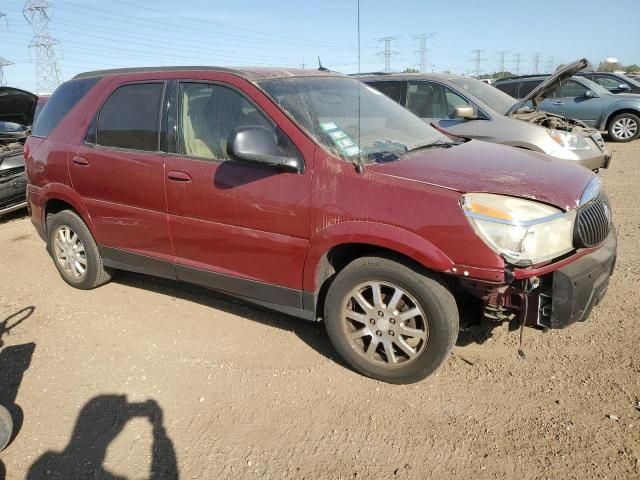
115 33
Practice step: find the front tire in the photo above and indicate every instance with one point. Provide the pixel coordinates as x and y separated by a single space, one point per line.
75 252
624 127
390 321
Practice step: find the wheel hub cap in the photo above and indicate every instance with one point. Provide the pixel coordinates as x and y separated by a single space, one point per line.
69 252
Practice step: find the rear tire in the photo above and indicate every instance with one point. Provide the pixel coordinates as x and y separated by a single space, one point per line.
6 427
624 127
390 321
75 252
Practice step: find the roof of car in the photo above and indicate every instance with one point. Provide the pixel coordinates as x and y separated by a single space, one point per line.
406 76
522 77
252 74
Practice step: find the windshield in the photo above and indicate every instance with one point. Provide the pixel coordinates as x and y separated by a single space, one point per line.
350 119
496 99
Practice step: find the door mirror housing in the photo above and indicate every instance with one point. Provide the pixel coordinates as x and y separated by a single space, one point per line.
464 111
258 144
590 94
624 86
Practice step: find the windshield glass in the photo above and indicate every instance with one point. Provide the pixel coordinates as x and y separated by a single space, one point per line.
496 99
350 119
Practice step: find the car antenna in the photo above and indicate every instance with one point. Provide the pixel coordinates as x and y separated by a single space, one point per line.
320 67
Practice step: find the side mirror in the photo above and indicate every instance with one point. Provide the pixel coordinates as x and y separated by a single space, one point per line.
624 86
590 94
258 144
464 111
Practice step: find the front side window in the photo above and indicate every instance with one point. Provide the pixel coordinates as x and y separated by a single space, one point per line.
433 100
131 117
351 119
572 89
490 95
208 115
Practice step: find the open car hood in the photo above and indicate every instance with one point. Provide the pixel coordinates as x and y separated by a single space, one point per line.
17 106
539 93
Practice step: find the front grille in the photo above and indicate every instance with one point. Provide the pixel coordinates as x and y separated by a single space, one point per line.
11 172
593 224
12 200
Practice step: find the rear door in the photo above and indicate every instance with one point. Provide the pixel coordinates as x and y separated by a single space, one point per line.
236 227
119 172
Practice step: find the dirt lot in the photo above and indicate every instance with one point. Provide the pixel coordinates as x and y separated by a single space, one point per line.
146 375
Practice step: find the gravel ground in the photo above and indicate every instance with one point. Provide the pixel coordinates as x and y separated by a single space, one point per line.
149 378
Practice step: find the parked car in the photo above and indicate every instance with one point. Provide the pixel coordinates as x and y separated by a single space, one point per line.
469 108
17 108
614 82
314 195
582 99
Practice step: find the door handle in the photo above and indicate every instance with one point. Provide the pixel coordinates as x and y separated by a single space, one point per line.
80 161
179 176
558 103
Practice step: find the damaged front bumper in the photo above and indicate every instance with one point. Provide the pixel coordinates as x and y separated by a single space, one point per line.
554 298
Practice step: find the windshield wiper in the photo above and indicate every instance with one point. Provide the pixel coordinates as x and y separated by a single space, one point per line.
436 144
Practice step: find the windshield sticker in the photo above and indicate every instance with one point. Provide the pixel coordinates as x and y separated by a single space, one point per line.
344 143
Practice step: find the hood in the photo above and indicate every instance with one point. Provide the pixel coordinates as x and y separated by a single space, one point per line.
489 168
17 105
539 93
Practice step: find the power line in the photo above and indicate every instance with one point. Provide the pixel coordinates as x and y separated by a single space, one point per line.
48 75
518 56
478 59
387 53
422 50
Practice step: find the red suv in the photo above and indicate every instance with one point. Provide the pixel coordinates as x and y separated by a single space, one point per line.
314 195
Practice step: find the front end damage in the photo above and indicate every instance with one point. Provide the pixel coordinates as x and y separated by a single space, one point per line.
549 297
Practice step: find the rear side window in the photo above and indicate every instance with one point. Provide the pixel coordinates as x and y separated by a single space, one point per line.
393 90
61 102
509 88
527 87
131 117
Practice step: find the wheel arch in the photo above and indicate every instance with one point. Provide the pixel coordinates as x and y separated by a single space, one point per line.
619 111
60 197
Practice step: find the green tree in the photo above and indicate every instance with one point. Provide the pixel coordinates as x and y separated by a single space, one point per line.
632 68
411 70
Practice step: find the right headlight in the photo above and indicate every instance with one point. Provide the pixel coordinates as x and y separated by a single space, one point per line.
570 141
524 232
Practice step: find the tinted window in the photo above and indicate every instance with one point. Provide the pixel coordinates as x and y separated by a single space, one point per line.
572 89
509 88
393 90
130 117
608 82
61 102
208 115
432 100
527 87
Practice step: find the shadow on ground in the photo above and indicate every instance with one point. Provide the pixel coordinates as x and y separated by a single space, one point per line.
100 421
14 362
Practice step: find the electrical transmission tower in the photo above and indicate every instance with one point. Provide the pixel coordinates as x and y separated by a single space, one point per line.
422 50
550 63
3 63
478 60
536 63
502 53
387 53
48 75
517 55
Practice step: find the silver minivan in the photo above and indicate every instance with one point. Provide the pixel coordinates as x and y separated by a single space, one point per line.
466 107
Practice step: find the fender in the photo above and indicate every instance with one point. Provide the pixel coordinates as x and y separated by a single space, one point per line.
60 191
376 234
630 105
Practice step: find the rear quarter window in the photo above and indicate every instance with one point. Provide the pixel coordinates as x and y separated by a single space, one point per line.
60 104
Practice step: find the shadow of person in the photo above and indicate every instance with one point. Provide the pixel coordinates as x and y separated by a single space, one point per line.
100 421
14 362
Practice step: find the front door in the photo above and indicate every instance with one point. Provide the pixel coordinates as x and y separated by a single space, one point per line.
119 172
237 227
571 101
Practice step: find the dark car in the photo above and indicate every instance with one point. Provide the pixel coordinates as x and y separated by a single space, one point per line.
17 108
614 82
314 195
581 99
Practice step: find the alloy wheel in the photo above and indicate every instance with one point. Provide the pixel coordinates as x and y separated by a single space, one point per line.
625 128
69 252
385 324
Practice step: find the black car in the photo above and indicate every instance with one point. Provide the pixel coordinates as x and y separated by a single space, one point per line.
17 108
614 82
